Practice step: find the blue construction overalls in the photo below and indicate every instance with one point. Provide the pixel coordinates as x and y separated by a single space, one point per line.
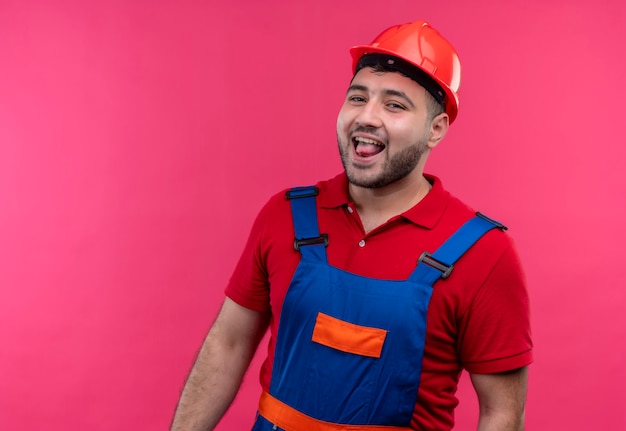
349 348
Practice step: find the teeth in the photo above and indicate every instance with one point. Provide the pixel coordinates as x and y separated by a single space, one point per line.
367 141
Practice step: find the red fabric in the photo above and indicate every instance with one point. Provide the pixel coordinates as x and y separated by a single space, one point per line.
478 318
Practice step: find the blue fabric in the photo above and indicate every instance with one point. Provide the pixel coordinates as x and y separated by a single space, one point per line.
262 424
346 388
454 247
303 209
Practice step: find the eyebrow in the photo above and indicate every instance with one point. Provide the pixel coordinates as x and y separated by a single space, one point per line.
387 91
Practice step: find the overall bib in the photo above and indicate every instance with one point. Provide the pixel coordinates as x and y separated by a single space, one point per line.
349 348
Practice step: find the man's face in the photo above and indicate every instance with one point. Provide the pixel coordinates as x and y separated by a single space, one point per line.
382 128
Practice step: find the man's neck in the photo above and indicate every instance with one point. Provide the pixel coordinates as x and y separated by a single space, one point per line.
377 206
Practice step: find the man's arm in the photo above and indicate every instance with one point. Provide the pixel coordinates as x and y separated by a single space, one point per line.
501 399
219 368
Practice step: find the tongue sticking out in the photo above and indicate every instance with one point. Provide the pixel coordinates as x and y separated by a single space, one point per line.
364 149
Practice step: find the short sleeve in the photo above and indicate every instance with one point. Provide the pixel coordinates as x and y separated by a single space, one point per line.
248 285
495 330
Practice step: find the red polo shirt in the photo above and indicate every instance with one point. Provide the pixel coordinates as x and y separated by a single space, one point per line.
478 318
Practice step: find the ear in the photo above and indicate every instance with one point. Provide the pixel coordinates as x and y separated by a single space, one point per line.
438 129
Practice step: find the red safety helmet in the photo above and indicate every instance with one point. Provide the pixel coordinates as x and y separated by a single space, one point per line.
422 46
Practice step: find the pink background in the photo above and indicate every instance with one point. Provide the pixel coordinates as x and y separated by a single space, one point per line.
138 139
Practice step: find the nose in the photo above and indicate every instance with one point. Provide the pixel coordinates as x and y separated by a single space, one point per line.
369 115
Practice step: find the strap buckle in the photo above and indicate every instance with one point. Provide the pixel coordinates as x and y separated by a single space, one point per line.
429 260
322 239
492 221
301 192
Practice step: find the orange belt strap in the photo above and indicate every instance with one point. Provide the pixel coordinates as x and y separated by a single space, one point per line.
291 419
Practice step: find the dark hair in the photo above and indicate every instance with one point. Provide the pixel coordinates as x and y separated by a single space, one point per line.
435 103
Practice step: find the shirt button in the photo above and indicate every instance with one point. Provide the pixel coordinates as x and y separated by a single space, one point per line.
350 210
362 243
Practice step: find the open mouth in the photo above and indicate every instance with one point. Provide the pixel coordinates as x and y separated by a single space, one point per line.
366 147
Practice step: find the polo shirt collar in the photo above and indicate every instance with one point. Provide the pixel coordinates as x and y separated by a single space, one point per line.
427 212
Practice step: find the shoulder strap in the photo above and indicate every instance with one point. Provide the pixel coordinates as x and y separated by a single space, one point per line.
432 267
308 241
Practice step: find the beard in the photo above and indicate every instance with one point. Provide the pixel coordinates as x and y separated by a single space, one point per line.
395 167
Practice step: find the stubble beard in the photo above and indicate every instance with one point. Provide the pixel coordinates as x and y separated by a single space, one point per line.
395 168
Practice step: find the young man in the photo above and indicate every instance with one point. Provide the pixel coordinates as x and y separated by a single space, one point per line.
378 286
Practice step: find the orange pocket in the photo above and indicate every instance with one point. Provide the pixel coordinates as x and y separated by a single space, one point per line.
347 337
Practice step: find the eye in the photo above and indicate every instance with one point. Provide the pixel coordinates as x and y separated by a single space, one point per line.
356 99
394 106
